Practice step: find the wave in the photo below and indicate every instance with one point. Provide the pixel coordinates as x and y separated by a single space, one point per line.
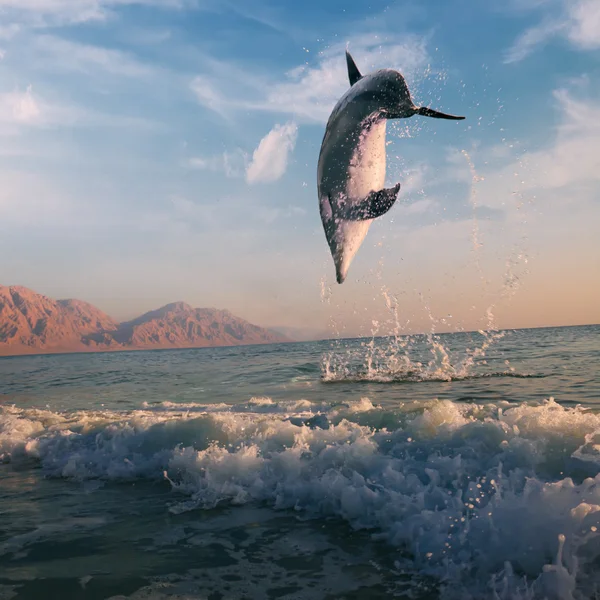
492 500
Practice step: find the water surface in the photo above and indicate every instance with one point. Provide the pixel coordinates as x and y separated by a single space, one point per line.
454 466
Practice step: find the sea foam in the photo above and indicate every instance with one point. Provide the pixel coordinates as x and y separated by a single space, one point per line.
494 500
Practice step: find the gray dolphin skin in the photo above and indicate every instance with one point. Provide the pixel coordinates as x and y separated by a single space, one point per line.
352 161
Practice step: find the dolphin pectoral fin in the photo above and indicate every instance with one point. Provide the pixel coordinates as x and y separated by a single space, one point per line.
429 112
374 205
353 72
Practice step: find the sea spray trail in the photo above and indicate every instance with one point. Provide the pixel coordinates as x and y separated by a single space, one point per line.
475 234
478 495
390 359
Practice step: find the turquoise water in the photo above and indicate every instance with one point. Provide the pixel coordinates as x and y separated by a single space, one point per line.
451 466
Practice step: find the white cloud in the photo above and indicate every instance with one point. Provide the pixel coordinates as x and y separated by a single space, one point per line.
532 38
20 110
30 200
310 92
57 12
65 55
8 31
209 96
307 92
570 163
20 107
233 164
574 158
270 159
577 21
584 30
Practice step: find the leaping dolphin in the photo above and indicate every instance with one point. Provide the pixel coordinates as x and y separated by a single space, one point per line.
351 169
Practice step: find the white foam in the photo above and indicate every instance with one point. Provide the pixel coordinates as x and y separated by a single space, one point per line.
490 499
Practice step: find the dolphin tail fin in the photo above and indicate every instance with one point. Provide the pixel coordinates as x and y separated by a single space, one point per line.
353 72
429 112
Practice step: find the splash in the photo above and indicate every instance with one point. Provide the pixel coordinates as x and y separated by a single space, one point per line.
412 358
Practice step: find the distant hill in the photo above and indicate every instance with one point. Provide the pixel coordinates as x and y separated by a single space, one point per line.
31 323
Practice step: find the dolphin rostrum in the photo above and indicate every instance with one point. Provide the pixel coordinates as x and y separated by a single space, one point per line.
351 170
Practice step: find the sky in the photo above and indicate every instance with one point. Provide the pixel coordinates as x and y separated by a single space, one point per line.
153 151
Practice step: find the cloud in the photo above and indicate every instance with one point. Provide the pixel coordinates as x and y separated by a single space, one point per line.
310 92
307 92
577 21
270 159
531 39
570 163
584 30
22 110
217 220
8 31
233 164
574 158
40 13
31 201
64 55
20 107
209 96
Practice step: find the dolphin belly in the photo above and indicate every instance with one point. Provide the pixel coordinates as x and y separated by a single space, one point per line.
354 169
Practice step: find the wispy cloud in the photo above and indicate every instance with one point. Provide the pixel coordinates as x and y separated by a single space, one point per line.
183 219
562 176
210 96
32 201
65 55
60 12
310 92
270 159
577 21
267 164
585 24
232 164
307 92
20 107
574 157
533 38
20 110
8 31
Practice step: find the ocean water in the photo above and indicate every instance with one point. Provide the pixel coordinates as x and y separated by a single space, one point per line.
423 467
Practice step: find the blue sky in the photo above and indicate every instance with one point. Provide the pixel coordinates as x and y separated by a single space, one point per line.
162 150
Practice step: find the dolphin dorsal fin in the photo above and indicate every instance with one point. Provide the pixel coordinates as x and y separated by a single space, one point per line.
353 72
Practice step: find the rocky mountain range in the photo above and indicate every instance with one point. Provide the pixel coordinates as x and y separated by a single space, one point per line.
31 323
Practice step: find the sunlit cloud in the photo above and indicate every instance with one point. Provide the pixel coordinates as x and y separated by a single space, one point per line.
270 159
62 12
66 55
306 92
21 107
576 21
232 164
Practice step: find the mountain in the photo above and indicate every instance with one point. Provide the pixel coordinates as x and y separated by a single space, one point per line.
31 323
179 325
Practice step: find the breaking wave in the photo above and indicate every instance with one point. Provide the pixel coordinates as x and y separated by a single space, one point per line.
492 500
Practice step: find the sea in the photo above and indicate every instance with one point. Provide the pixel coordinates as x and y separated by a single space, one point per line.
449 466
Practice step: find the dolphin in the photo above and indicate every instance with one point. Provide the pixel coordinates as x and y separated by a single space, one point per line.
352 161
